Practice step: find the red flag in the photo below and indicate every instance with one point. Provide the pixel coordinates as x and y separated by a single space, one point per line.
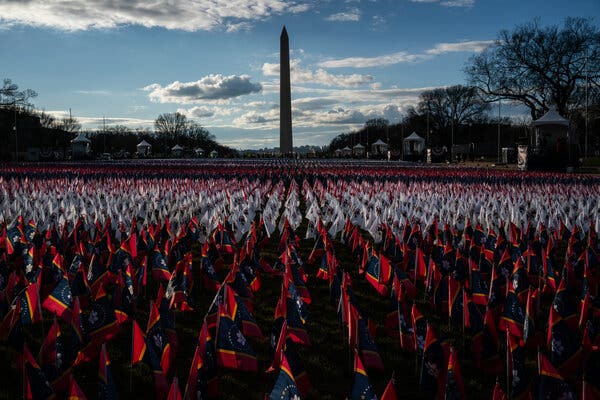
390 390
421 266
174 392
75 392
138 344
498 393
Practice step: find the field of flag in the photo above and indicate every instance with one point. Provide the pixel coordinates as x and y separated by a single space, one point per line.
297 280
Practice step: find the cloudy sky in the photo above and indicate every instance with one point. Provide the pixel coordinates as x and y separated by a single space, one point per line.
217 61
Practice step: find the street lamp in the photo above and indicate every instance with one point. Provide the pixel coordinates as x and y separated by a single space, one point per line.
15 130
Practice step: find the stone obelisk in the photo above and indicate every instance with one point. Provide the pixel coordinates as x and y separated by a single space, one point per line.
285 97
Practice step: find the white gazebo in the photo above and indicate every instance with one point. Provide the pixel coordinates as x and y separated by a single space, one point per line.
552 131
346 151
337 153
379 148
358 150
177 151
199 151
143 148
81 146
413 146
214 154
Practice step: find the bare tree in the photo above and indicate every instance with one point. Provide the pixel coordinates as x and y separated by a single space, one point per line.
453 105
540 66
11 95
46 120
171 125
69 124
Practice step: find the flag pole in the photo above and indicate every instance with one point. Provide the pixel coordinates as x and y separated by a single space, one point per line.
131 364
508 391
416 346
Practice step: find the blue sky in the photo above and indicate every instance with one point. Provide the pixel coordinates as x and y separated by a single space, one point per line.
217 60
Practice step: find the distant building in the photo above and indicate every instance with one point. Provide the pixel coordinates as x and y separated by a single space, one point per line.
346 151
177 151
413 147
199 152
144 148
358 150
214 154
81 147
379 148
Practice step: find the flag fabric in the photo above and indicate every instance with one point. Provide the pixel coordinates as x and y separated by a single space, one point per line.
102 322
36 383
552 384
498 393
29 302
138 343
53 358
520 381
75 392
434 364
174 391
157 340
107 389
285 386
232 349
389 392
455 389
60 300
361 389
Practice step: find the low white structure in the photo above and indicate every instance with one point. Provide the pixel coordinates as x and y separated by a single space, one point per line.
413 146
199 152
379 148
177 151
214 154
358 150
552 131
143 148
346 151
81 146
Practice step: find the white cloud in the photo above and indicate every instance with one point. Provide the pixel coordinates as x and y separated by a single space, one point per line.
206 112
352 15
366 62
473 46
319 76
208 88
458 3
404 57
449 3
239 26
187 15
88 122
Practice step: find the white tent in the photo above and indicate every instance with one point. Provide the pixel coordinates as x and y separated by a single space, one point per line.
346 151
199 152
177 150
413 145
551 131
552 117
80 146
358 150
379 147
144 148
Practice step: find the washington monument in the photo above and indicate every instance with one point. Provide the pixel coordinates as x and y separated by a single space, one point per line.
285 97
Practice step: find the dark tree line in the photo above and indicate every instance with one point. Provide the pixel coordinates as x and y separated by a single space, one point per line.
22 127
535 66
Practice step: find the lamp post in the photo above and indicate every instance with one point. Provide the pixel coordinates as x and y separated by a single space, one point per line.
16 135
499 105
